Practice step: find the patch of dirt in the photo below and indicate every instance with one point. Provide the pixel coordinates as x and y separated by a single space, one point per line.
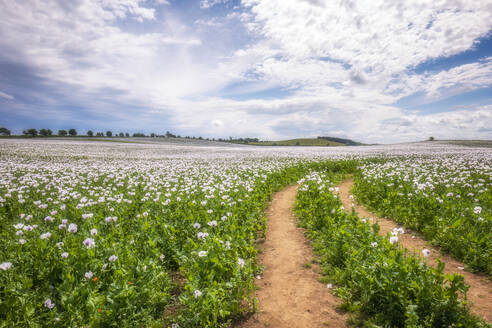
480 292
289 294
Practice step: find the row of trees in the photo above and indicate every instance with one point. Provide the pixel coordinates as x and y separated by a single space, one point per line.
72 132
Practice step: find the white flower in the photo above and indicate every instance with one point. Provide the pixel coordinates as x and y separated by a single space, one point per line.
59 244
49 304
202 253
397 231
477 210
18 226
212 223
228 245
87 216
162 257
5 266
45 235
19 233
329 286
22 241
89 243
64 221
105 265
426 252
64 255
89 274
393 240
93 232
113 258
202 235
72 227
197 293
374 244
48 219
196 225
240 261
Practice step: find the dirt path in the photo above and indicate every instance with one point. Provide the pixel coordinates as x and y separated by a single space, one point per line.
480 292
290 294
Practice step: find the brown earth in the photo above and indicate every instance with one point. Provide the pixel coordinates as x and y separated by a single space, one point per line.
289 294
480 292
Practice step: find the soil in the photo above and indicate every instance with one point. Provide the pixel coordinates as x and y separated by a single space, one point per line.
290 294
480 292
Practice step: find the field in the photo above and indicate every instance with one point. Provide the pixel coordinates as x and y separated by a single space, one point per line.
105 234
298 142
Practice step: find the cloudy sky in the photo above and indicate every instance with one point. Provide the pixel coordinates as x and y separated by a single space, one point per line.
371 70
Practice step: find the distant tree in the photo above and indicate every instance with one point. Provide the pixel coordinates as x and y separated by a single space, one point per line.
90 133
99 134
121 134
127 134
62 133
109 134
138 135
170 135
4 132
152 135
72 132
45 132
30 132
431 139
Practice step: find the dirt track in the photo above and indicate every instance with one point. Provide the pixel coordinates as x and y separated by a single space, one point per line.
480 292
290 294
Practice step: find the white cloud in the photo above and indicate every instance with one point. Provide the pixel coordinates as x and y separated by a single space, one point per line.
6 96
461 124
205 4
342 64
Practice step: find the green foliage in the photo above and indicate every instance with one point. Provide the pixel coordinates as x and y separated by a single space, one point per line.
62 133
376 278
4 131
451 204
147 220
30 132
72 132
45 132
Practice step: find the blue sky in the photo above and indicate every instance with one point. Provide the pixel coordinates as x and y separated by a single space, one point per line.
373 71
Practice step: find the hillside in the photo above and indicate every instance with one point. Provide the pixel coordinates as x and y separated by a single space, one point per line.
299 142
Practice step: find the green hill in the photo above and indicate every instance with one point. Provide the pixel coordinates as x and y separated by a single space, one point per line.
298 142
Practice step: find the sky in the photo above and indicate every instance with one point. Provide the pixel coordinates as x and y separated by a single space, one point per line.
375 71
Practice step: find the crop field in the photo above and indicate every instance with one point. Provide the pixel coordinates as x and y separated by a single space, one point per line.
99 234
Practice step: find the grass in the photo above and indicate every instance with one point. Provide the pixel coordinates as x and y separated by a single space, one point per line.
298 142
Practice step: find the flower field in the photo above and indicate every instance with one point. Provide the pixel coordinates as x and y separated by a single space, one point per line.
152 235
373 275
446 197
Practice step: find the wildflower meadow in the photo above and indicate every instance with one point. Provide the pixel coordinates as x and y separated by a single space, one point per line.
101 234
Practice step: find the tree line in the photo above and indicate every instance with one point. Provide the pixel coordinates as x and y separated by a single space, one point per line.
73 133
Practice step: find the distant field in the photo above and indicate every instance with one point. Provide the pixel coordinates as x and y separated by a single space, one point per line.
469 143
298 142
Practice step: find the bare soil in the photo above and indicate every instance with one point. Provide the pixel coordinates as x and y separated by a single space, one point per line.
480 292
290 294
